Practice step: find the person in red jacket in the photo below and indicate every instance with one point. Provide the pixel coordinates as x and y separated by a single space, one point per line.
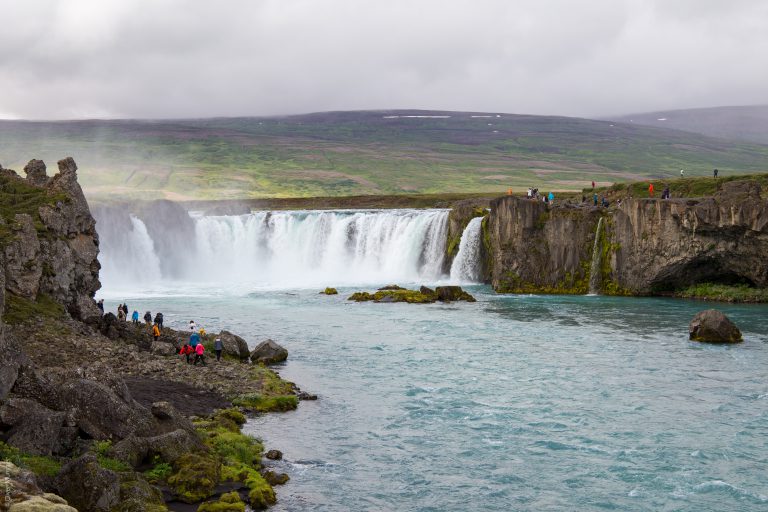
650 190
186 350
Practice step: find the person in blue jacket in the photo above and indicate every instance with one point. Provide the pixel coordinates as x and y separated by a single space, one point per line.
135 317
194 339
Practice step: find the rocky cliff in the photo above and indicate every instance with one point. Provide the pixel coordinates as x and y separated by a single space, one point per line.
48 240
645 246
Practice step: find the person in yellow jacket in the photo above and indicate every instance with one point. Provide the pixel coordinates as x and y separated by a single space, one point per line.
156 331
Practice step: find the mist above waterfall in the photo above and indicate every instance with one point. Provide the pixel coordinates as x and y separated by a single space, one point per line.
271 250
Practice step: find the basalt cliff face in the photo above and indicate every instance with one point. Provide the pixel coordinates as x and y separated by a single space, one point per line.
50 247
645 246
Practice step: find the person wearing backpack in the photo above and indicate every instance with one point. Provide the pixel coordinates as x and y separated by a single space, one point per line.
218 347
135 317
148 318
159 320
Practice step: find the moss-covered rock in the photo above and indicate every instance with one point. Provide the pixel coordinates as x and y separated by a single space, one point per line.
195 477
229 502
273 478
330 291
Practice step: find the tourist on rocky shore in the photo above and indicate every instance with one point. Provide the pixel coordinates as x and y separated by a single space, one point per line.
199 357
186 351
135 317
650 190
194 340
148 318
191 326
159 320
120 313
156 332
125 310
100 305
218 346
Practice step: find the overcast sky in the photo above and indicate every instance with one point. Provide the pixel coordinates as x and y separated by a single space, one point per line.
173 58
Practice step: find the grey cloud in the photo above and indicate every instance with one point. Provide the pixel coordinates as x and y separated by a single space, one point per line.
174 58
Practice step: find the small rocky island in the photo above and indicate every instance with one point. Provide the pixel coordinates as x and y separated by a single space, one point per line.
394 293
96 415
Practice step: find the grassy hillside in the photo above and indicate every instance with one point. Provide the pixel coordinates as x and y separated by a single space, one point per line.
363 153
748 123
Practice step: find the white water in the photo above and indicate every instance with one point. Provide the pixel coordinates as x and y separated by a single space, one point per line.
128 255
466 264
594 269
269 250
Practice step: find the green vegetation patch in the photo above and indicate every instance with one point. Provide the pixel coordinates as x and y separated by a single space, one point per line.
38 464
330 291
229 502
261 403
19 310
17 196
409 296
724 293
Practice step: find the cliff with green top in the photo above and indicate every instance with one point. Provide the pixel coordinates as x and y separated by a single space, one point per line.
647 246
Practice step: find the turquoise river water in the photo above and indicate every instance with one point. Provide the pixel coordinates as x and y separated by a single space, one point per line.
511 403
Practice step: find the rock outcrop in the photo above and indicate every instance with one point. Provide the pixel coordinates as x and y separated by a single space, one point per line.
269 352
53 247
712 326
647 246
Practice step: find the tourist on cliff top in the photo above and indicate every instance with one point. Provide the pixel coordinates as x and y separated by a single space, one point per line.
120 313
593 185
148 318
715 172
682 172
650 190
665 194
135 317
159 320
594 198
156 332
218 346
551 197
199 357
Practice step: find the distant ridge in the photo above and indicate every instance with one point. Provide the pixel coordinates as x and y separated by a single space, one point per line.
382 152
745 123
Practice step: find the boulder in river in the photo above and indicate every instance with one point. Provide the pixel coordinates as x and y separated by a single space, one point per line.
330 291
269 352
712 326
452 293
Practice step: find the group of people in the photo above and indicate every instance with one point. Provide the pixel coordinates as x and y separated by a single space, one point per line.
194 350
533 193
122 315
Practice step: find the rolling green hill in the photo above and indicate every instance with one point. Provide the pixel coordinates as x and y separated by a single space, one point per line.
368 152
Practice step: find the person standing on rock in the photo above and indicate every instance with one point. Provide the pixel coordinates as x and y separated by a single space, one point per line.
135 317
156 332
100 305
594 198
650 190
186 351
120 313
148 318
191 326
159 320
125 310
194 340
199 357
218 346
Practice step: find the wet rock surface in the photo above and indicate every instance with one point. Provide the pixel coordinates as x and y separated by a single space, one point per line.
712 326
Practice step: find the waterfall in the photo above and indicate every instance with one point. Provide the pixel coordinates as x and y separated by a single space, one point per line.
466 265
594 270
132 258
297 249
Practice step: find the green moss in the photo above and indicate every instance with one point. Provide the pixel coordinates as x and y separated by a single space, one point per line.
18 196
261 494
159 472
19 310
360 296
229 502
39 464
261 403
724 293
113 464
330 291
195 476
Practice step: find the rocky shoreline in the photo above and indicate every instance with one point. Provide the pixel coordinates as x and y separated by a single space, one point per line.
94 414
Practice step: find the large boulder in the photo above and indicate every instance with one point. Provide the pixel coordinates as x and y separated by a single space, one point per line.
234 345
88 486
712 326
269 352
35 429
21 492
36 173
